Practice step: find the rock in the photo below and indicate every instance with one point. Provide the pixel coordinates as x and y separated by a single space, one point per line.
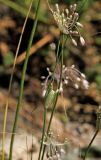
24 145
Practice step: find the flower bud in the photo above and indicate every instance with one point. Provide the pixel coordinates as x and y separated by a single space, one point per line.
79 24
50 98
82 41
74 42
57 8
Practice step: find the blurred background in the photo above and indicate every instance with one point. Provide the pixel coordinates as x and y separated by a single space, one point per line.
75 114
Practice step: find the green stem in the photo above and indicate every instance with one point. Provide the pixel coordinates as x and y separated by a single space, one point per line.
49 125
55 101
43 132
11 78
45 109
84 158
22 80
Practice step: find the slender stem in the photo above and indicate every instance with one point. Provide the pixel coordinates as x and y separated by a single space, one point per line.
45 109
22 80
56 98
50 124
84 158
43 132
27 146
57 58
63 42
32 151
11 78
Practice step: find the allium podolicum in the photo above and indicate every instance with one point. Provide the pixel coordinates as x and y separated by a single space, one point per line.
67 21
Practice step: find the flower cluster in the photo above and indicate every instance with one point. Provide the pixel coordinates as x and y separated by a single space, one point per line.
55 150
73 76
67 22
70 77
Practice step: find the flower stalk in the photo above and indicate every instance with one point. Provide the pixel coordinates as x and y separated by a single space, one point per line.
22 79
55 99
11 78
98 127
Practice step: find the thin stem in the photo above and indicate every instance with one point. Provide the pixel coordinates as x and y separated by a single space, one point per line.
32 147
57 58
43 132
63 42
27 146
90 144
45 109
55 101
11 78
22 79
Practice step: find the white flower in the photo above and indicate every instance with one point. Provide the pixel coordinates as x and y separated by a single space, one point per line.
67 21
82 41
85 84
73 77
43 93
74 42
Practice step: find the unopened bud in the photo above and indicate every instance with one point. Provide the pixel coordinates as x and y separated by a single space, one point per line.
61 88
50 98
79 24
67 11
53 46
74 42
85 84
57 8
82 41
76 86
74 7
44 93
76 15
71 7
73 66
83 75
